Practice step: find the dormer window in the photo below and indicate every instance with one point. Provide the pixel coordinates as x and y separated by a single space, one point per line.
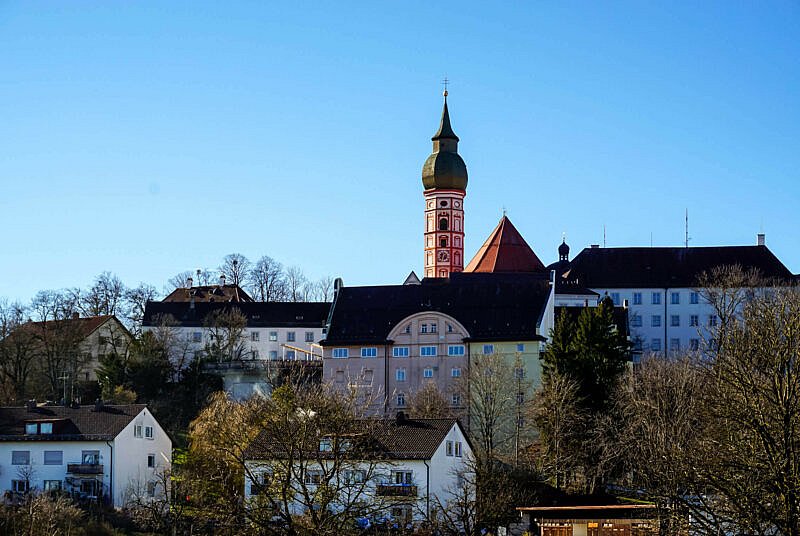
35 428
46 428
31 428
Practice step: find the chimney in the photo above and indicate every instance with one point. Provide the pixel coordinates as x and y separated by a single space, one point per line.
624 304
595 246
190 282
76 315
761 239
30 405
222 280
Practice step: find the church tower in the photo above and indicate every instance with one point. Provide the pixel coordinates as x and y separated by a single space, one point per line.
444 177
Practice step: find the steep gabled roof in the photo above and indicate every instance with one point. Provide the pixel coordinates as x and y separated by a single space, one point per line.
394 439
80 326
667 267
209 293
83 423
505 251
258 314
492 307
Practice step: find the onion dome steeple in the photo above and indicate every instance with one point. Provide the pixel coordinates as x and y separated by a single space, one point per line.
563 250
444 168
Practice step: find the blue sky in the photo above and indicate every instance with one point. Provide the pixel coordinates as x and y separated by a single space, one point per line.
148 138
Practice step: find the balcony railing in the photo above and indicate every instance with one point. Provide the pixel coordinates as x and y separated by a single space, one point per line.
85 468
397 490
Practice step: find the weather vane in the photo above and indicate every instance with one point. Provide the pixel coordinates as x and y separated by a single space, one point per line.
445 82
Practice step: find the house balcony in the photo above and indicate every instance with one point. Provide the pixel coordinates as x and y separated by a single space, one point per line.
396 490
85 468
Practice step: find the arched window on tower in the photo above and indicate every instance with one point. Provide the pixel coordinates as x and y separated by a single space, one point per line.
443 242
443 224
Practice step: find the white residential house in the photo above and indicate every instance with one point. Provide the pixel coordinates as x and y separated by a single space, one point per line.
112 453
424 465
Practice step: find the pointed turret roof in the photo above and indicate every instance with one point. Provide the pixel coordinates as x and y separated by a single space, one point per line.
505 251
445 130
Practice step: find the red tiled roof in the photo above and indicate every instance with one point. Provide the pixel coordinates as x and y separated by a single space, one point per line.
505 251
85 326
209 293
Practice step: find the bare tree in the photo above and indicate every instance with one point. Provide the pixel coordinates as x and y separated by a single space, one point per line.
137 299
236 268
106 296
429 403
267 280
321 290
226 329
17 351
180 280
296 284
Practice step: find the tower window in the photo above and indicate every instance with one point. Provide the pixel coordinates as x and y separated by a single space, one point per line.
443 203
443 224
443 242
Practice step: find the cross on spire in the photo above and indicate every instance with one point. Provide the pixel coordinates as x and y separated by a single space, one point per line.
445 83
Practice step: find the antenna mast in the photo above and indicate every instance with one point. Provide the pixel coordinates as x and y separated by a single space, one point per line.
686 237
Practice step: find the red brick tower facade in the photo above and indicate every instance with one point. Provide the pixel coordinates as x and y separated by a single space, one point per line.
444 177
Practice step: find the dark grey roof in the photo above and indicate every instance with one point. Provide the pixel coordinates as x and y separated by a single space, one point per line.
492 307
83 423
667 267
398 439
259 314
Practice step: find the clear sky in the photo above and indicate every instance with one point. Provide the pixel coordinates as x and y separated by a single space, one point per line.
148 138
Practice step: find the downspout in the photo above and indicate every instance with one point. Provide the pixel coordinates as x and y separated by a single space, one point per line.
111 473
427 490
666 340
386 378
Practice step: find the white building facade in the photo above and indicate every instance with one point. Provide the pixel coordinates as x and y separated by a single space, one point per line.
113 454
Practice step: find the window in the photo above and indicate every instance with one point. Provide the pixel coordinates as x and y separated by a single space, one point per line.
712 320
427 351
369 352
615 298
449 328
339 375
443 224
455 400
151 460
434 328
273 355
290 336
637 298
401 399
400 374
656 298
19 486
31 428
427 373
148 432
325 445
519 373
254 336
448 448
151 489
694 344
488 349
520 347
403 478
520 398
313 477
655 345
20 457
273 336
46 428
254 354
290 355
339 352
53 457
455 372
408 329
90 457
457 449
443 242
52 485
655 321
674 345
694 298
309 336
197 336
423 328
455 349
694 320
637 345
675 298
636 321
674 321
137 430
400 351
355 477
